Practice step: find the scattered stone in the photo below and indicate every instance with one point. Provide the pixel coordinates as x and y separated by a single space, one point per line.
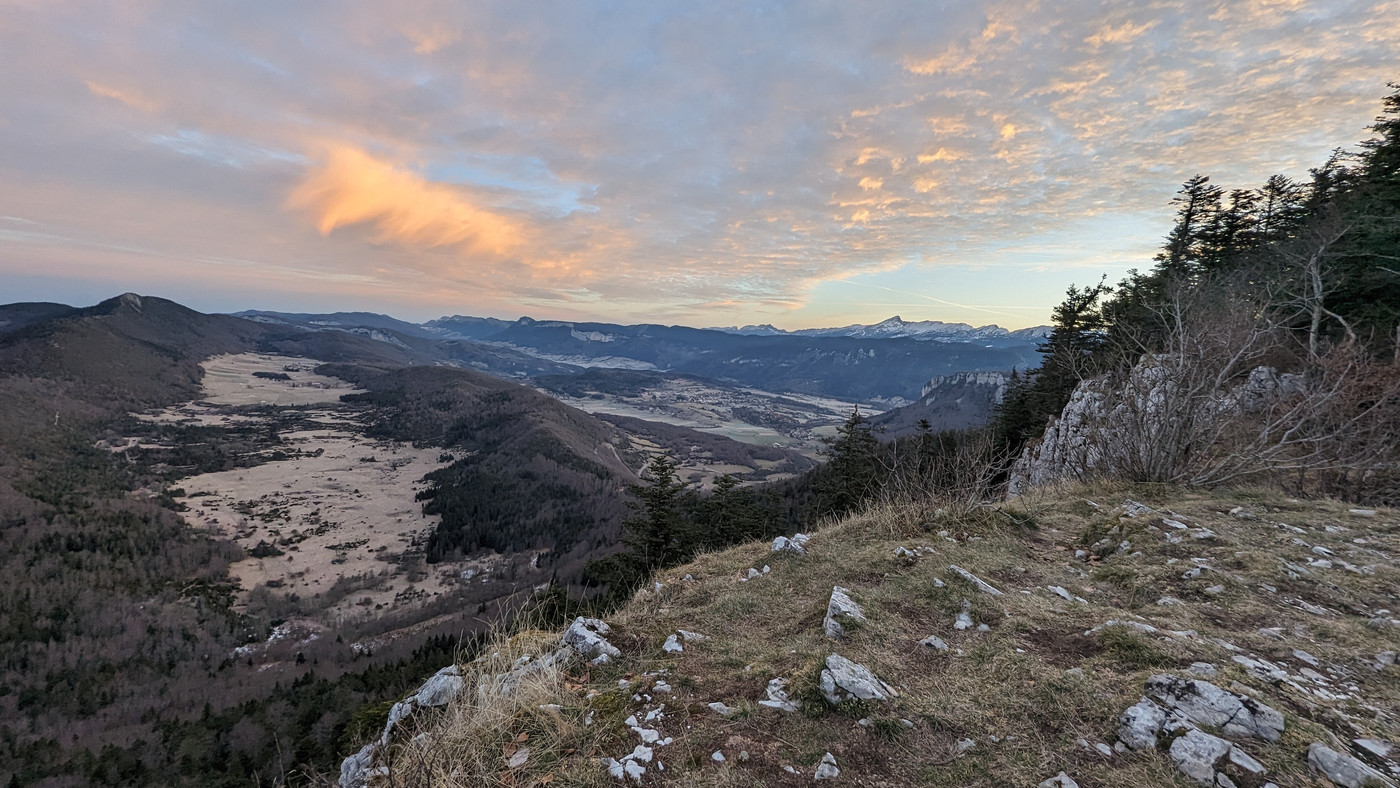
1103 749
1241 513
519 758
801 539
1146 629
1362 512
717 756
845 680
690 637
1064 594
934 642
585 636
785 545
722 710
826 770
981 584
1060 780
1343 769
778 696
1204 703
964 619
1215 590
841 611
672 645
1168 601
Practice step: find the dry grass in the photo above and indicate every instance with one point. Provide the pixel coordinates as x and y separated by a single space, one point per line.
1026 690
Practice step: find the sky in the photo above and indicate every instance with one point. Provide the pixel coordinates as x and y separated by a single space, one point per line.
805 163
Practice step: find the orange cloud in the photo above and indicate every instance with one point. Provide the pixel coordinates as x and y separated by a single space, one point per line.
351 187
130 98
431 38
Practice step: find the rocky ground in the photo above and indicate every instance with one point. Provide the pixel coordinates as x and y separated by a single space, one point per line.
1100 637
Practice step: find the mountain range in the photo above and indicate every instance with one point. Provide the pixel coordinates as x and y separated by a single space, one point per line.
886 363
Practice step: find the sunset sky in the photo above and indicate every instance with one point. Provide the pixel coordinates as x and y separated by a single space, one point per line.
806 163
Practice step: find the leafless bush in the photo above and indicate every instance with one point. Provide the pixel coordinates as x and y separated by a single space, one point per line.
956 471
1204 409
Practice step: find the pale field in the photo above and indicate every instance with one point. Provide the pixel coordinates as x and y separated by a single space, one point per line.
228 380
335 513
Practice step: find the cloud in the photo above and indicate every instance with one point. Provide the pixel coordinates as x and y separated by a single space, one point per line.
130 98
349 187
658 157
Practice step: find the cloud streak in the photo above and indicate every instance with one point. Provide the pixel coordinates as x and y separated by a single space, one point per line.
348 187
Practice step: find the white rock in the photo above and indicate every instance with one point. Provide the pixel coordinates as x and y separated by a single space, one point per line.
778 696
1140 723
585 636
1196 753
826 770
1203 669
1206 704
841 608
717 756
519 758
722 710
964 619
1060 780
354 770
934 642
785 545
844 680
800 539
1379 749
672 645
441 688
690 637
1343 769
981 584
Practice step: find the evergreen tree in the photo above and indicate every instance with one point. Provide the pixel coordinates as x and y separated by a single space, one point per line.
853 472
657 532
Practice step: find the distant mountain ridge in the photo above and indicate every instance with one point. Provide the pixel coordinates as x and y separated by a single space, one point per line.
897 327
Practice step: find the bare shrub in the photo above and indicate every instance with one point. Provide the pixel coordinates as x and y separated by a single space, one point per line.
957 471
1208 406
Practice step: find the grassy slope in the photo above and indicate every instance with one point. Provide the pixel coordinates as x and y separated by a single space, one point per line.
1013 682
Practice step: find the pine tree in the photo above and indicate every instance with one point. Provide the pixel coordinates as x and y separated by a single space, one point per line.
853 472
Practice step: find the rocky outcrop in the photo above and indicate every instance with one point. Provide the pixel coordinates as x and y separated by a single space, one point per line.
1343 769
1172 716
357 770
1110 423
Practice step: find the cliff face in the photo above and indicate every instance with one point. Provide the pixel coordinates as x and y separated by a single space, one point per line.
1160 422
948 402
1099 638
